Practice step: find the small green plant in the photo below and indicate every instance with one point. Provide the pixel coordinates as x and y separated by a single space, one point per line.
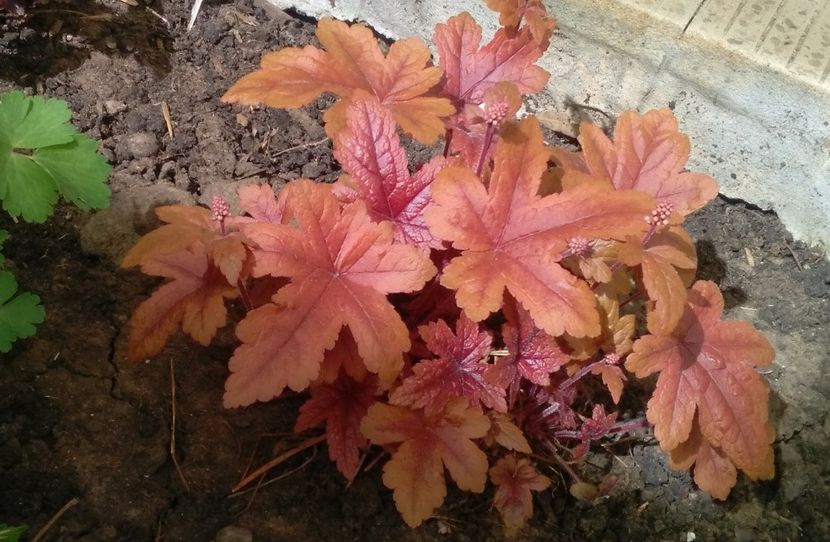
11 534
42 157
18 314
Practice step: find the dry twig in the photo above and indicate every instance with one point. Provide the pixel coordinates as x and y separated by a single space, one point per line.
173 428
303 146
64 509
308 443
168 121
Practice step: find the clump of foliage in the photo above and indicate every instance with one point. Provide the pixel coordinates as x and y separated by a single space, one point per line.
42 157
453 313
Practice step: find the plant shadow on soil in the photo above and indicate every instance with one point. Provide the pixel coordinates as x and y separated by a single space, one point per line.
77 421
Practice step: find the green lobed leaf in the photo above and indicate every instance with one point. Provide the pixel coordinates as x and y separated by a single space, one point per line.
42 156
79 181
9 533
19 315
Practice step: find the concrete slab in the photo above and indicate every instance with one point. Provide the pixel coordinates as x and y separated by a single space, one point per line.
748 80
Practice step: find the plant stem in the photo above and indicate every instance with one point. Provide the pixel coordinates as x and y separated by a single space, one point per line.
244 295
485 148
447 141
579 374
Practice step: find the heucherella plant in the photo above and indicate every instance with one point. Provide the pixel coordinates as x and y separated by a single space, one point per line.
42 157
451 311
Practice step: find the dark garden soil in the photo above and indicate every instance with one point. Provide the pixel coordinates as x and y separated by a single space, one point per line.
76 421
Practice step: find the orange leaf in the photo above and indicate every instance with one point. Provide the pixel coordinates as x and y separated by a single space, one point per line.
512 238
352 63
457 372
514 479
506 433
193 298
648 153
707 367
714 472
662 256
184 228
471 69
341 405
428 444
341 266
370 151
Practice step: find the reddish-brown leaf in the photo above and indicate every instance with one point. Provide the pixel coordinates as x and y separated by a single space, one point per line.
471 69
515 478
370 151
341 266
648 153
531 353
350 64
512 238
260 202
194 299
660 259
428 444
341 405
342 359
706 367
458 371
534 14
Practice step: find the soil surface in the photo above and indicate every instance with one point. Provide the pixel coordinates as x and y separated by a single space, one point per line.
77 421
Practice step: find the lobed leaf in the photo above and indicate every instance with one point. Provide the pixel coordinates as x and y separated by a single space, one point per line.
42 156
458 372
515 479
193 298
341 405
648 154
341 266
470 69
370 151
428 444
351 64
706 369
18 314
510 238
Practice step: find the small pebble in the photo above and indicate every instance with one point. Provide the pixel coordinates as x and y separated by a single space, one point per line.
232 533
142 145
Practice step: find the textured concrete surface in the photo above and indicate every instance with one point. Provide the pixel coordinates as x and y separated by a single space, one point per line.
748 80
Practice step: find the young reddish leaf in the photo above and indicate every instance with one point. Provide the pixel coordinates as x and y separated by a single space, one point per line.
532 353
352 63
194 299
471 69
370 151
648 154
341 266
511 238
534 14
707 367
341 405
457 372
514 479
260 202
428 444
659 259
506 433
